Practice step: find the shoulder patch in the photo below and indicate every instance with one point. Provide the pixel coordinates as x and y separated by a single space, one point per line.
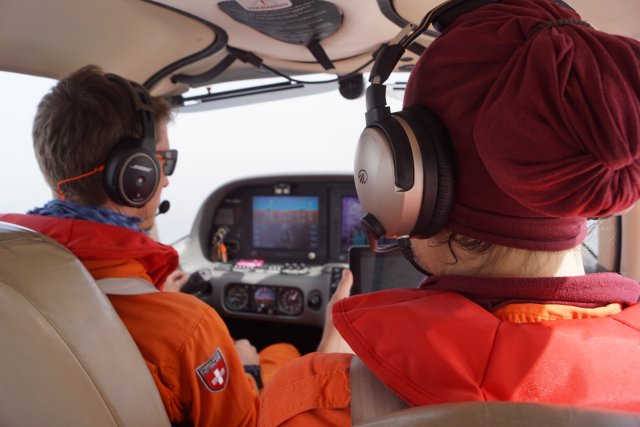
214 373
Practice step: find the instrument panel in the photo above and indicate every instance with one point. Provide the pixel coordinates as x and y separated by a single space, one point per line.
273 248
285 301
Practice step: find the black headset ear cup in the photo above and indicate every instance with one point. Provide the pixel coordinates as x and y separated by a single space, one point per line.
132 174
438 169
132 171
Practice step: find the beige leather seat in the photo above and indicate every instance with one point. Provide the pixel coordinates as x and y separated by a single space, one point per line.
66 359
504 414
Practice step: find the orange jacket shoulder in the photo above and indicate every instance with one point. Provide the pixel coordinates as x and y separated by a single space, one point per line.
180 337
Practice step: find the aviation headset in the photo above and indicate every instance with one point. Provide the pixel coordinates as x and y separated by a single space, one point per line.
404 167
132 171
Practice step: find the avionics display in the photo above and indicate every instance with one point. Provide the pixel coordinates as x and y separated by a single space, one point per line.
285 222
351 232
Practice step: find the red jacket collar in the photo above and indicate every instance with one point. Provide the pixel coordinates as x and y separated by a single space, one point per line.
593 290
92 240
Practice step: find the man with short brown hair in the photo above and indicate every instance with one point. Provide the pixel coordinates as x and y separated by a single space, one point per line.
102 145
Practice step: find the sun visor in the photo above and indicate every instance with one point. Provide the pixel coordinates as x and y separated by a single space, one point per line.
131 38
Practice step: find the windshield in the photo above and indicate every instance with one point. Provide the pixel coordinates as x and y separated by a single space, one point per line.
310 134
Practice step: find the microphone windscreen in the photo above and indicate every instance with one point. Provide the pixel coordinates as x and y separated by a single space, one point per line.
164 207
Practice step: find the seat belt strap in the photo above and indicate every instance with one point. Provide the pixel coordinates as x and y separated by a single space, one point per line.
126 286
370 398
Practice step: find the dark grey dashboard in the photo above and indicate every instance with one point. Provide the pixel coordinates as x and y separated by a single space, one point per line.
273 248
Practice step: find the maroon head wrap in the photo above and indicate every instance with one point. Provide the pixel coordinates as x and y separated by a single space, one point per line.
544 115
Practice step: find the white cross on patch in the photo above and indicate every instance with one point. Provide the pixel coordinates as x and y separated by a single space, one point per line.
218 374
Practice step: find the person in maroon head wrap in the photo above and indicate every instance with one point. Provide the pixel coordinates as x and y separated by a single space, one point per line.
543 112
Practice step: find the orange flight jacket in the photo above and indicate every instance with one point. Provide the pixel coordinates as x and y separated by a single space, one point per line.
184 342
435 346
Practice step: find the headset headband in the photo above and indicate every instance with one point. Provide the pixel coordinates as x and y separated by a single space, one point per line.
441 16
142 104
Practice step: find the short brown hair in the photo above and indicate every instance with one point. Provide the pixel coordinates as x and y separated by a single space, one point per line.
78 123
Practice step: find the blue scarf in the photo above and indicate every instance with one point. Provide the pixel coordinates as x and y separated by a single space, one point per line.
65 209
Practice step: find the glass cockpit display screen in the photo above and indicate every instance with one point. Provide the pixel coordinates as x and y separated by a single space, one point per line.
286 222
351 231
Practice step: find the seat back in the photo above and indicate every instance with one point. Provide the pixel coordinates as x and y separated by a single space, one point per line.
67 359
504 414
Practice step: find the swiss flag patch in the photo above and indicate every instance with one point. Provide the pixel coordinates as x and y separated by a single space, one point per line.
214 372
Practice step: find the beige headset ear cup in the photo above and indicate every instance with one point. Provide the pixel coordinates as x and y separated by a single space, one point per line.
395 209
421 210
